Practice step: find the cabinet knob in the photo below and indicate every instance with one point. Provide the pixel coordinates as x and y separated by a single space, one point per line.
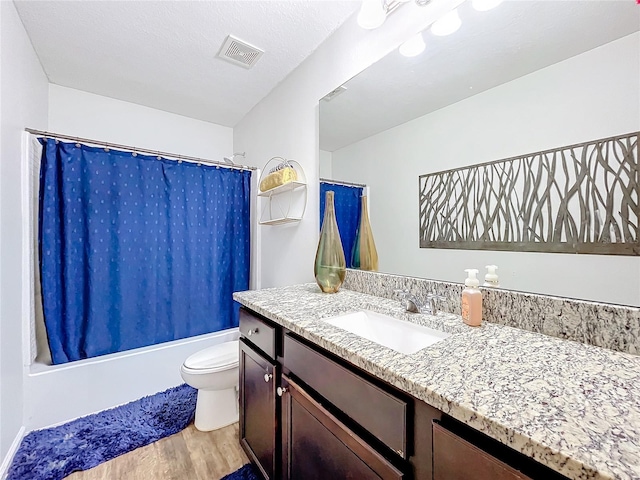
281 391
267 377
251 332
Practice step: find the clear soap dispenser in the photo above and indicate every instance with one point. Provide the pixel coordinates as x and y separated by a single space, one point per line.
491 278
472 300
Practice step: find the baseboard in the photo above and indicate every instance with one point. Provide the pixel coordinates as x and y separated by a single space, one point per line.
6 462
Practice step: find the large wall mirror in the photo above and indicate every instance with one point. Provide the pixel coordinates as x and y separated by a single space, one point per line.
524 77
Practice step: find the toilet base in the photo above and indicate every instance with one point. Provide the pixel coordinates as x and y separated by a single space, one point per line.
216 409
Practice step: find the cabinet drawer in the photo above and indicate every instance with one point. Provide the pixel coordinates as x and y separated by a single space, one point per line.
456 459
258 332
378 411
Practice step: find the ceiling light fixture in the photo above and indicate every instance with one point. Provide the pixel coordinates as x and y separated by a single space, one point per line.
484 5
447 24
414 46
372 14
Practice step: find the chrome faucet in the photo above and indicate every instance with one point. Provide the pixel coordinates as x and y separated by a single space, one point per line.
411 303
408 301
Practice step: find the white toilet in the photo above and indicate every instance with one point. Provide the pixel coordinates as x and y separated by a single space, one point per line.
214 372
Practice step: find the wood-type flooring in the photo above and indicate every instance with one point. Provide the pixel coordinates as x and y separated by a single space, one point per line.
188 455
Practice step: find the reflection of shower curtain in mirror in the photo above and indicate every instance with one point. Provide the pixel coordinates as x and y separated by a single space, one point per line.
137 251
347 206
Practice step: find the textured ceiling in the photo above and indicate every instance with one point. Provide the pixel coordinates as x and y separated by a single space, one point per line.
491 48
163 54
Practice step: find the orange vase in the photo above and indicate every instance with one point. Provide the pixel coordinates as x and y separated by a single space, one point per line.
365 254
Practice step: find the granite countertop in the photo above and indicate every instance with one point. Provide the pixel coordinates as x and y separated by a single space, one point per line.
570 406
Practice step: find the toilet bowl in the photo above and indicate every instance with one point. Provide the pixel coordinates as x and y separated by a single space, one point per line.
214 372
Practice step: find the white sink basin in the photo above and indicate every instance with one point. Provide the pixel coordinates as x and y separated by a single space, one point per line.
399 335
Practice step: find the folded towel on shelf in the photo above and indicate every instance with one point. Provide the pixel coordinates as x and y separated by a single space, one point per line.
277 177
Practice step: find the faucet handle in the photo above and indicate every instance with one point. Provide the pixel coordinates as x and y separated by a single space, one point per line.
436 296
432 302
408 301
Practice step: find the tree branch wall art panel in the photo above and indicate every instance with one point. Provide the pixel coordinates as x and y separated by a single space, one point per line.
580 198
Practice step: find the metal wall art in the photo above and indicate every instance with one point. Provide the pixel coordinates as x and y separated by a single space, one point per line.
577 199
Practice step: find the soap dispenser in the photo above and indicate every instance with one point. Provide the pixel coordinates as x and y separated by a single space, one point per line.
472 300
491 278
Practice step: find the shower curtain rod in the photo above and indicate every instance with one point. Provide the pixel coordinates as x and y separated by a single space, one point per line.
158 153
340 182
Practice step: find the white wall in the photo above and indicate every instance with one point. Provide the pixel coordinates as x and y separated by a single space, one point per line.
285 123
593 95
74 112
325 169
23 93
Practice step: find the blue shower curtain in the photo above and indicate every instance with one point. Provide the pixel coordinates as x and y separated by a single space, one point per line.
137 251
347 205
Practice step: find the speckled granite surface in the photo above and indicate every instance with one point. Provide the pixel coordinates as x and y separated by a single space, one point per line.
609 326
571 406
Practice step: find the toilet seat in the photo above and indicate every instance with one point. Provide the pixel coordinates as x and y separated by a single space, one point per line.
218 358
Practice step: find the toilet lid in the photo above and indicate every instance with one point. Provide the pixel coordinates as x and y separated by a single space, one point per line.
224 355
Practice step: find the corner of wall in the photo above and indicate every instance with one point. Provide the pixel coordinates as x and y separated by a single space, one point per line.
24 93
13 448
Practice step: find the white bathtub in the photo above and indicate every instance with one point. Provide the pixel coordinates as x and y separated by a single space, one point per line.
59 393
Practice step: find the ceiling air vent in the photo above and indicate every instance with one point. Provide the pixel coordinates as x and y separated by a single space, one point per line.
240 53
334 93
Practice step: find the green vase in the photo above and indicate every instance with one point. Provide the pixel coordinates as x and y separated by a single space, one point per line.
355 252
330 267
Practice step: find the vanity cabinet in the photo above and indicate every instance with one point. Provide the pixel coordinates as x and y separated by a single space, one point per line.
258 427
461 452
383 414
318 446
260 333
259 409
307 414
456 459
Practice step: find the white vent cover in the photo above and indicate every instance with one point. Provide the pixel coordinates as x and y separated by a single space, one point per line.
334 93
240 53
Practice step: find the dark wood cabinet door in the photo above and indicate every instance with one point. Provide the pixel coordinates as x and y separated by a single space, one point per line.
258 426
461 452
456 459
317 446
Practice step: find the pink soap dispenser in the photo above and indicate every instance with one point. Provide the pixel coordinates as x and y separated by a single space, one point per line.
472 300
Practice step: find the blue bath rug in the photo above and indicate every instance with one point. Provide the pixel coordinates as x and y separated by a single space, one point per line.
247 472
81 444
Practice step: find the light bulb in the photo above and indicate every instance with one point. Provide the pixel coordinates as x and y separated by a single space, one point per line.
414 46
484 5
447 24
372 14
